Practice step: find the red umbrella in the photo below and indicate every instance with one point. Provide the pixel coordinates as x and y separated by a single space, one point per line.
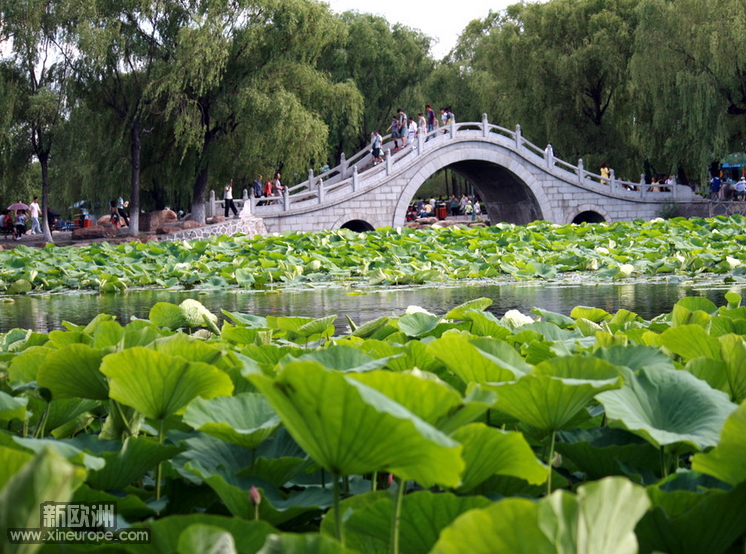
18 206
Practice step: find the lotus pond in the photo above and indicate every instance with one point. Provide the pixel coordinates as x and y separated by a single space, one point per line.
598 430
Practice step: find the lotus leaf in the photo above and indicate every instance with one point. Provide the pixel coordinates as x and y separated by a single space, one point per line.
556 390
158 385
199 538
727 461
245 420
73 372
668 407
423 516
48 477
12 407
288 543
361 430
489 451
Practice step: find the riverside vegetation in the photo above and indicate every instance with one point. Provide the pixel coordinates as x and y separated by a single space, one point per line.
412 433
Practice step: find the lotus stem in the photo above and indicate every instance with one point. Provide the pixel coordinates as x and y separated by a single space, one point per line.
337 508
374 482
549 463
664 462
39 433
159 468
396 518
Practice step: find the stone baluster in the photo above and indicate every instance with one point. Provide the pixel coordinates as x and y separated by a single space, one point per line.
342 166
518 138
354 178
310 179
210 208
485 126
247 207
420 143
285 199
643 186
612 180
549 155
389 161
321 191
453 128
581 171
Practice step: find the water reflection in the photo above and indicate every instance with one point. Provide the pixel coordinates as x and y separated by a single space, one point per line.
46 313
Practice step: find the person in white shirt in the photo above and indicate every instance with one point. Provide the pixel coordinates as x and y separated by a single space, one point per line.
741 189
34 212
228 200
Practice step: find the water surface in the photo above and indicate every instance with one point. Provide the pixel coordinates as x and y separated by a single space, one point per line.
46 313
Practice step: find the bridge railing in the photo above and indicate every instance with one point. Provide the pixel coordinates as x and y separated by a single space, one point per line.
359 172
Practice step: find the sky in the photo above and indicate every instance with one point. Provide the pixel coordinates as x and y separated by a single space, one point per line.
443 21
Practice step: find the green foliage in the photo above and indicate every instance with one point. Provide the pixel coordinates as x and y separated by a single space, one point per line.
367 404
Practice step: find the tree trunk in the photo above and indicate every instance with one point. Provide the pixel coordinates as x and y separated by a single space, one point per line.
44 163
198 201
135 150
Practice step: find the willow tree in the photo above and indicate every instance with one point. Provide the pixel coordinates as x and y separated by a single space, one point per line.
388 64
37 71
562 68
689 73
241 88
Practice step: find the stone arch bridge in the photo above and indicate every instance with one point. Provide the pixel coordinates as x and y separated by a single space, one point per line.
517 181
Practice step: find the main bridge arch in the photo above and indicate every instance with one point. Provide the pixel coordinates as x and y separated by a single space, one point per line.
507 195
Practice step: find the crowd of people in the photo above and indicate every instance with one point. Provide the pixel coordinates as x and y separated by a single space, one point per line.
465 205
405 129
14 221
723 189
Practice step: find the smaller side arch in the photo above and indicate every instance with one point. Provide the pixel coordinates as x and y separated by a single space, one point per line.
355 221
588 213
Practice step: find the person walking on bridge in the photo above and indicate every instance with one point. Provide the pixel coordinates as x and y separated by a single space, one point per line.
228 200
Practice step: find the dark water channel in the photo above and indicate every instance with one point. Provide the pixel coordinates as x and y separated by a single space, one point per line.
46 313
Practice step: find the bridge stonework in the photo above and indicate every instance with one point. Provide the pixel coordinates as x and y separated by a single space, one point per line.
517 181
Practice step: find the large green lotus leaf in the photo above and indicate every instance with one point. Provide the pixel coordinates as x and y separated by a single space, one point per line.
691 310
11 460
462 310
317 327
560 320
291 543
600 452
193 350
476 402
165 314
485 324
692 518
369 328
12 407
474 365
199 538
343 358
108 334
601 518
249 536
48 477
208 453
488 451
428 398
691 341
418 324
245 420
60 412
159 385
510 525
23 367
424 514
556 391
65 449
733 349
348 427
73 372
727 460
136 457
668 407
713 372
635 356
593 314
